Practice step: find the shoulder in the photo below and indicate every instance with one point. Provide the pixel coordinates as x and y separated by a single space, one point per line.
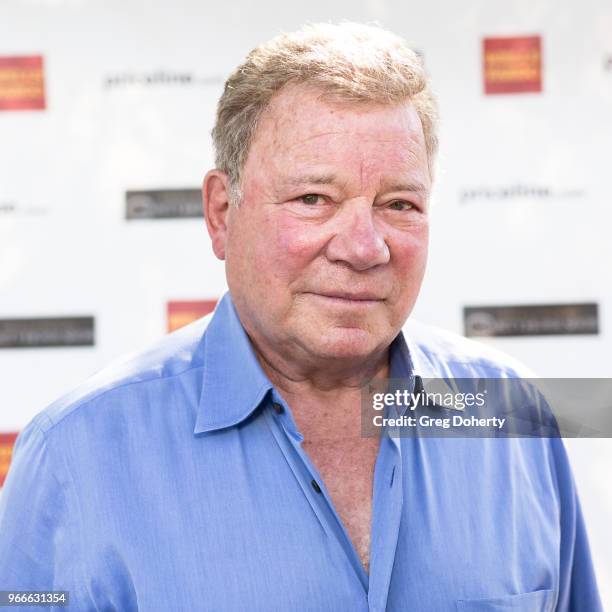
438 352
175 356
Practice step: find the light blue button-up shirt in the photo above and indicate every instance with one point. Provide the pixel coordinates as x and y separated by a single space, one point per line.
171 482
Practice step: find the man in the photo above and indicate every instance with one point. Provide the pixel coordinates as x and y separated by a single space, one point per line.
225 468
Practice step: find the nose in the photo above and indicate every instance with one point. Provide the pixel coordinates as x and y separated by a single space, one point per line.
356 240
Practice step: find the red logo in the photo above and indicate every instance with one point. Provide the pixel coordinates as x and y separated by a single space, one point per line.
22 85
7 440
512 65
182 313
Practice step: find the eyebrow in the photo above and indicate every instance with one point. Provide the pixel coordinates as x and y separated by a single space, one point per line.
311 179
329 179
412 187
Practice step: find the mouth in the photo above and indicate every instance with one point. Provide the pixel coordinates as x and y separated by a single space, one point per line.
361 298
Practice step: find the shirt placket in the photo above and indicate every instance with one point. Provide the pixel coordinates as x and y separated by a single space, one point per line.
386 506
387 510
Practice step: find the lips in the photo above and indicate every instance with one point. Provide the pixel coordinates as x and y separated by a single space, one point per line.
358 296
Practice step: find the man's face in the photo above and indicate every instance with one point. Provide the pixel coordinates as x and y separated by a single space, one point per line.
326 253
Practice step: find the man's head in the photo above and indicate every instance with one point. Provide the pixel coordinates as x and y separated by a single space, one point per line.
325 143
350 62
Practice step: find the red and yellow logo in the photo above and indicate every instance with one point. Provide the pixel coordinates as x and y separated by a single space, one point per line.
7 440
22 84
182 313
512 65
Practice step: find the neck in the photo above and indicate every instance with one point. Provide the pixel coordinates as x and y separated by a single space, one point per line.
331 380
326 408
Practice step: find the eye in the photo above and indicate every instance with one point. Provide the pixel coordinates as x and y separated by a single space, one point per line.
310 198
400 205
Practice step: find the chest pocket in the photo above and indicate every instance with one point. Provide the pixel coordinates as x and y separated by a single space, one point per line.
536 601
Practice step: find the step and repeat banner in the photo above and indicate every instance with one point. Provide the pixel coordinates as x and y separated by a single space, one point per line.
105 119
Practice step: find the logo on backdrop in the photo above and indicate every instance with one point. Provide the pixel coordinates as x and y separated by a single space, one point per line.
608 63
22 84
7 440
517 191
512 65
181 313
531 320
47 332
164 204
159 78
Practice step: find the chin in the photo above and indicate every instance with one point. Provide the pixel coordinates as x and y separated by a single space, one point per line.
345 343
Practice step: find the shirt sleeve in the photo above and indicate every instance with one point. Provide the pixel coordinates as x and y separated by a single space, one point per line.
38 524
577 584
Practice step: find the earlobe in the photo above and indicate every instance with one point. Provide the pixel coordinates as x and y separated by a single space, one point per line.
216 202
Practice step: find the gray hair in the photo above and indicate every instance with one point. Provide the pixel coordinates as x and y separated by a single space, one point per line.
350 62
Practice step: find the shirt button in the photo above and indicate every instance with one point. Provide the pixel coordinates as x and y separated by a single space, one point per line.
315 486
278 408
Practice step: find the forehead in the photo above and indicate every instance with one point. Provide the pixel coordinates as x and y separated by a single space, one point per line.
303 126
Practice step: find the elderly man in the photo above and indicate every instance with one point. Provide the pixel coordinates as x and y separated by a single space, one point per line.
225 469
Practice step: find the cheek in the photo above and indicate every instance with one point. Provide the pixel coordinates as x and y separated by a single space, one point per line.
246 264
273 249
297 242
410 249
409 258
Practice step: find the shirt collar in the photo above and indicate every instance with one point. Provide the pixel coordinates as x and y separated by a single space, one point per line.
234 384
435 371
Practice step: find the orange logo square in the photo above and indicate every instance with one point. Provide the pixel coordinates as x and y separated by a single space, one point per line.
512 65
184 312
7 440
22 84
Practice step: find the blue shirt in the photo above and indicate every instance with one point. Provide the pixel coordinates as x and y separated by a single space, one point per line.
174 481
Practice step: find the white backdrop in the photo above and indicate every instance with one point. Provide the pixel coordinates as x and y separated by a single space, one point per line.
67 250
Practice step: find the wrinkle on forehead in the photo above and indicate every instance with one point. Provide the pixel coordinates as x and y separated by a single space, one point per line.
300 133
405 147
299 143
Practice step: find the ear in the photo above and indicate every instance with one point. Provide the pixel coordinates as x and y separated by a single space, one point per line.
216 201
